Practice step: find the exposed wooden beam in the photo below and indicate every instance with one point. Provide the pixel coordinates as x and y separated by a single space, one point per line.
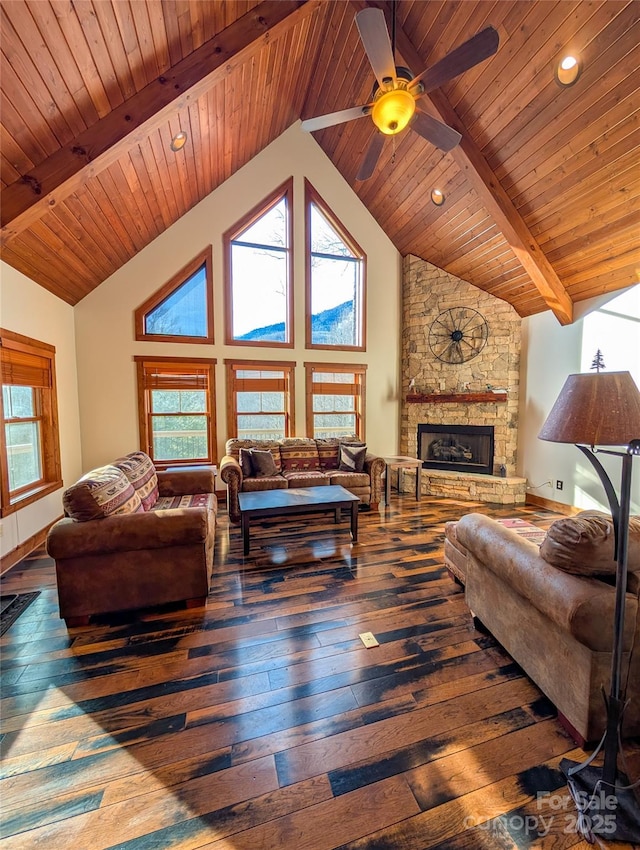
470 160
99 146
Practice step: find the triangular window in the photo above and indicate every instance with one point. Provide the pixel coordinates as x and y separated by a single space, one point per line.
181 310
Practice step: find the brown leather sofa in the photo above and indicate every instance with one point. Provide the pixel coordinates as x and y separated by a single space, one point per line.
301 462
134 537
556 619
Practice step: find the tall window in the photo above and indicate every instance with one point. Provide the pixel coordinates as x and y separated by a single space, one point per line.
181 310
175 409
335 307
258 298
259 399
29 442
335 400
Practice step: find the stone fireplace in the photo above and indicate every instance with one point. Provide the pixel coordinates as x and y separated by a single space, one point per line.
479 392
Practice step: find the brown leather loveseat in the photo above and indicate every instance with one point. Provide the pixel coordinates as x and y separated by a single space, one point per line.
134 537
552 608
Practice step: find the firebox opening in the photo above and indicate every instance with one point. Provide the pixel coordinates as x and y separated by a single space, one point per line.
459 448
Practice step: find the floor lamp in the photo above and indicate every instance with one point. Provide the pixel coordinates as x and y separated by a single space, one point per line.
593 410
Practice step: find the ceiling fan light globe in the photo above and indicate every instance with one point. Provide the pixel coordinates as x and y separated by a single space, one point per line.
392 111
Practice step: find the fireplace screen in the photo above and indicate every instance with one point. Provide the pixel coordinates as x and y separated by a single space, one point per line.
460 448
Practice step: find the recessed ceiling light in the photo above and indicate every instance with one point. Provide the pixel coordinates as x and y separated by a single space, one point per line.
568 70
437 197
179 141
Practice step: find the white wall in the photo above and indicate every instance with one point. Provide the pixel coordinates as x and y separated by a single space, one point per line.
104 318
551 352
28 309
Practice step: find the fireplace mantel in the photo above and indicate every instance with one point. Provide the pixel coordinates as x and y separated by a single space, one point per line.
455 398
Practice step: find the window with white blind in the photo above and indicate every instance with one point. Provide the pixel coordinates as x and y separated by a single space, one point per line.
175 409
259 396
335 399
30 447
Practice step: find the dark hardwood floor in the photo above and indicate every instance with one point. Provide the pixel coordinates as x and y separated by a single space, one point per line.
262 722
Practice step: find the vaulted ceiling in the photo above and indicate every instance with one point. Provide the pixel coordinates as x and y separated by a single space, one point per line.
542 195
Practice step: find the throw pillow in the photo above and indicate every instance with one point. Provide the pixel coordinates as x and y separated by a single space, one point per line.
100 493
263 463
585 544
141 472
246 465
352 458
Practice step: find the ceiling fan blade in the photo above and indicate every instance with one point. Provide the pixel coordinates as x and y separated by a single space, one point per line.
470 53
333 118
375 39
371 157
434 131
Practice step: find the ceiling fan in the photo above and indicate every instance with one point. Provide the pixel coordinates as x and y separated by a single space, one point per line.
395 93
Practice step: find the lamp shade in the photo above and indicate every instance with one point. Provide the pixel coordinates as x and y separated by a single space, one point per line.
393 110
596 409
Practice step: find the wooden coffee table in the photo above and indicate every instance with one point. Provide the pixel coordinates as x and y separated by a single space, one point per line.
301 500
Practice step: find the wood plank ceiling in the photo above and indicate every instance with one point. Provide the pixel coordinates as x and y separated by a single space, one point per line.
542 196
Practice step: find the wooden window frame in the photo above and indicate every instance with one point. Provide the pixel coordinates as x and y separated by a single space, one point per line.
143 366
16 350
286 366
284 191
204 258
357 389
311 196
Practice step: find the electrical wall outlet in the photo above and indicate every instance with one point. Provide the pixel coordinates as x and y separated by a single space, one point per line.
368 639
559 484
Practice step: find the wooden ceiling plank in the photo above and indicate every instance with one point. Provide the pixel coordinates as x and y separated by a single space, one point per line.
151 190
22 257
514 54
594 174
104 211
144 37
50 31
13 158
487 14
159 155
199 118
110 254
110 184
31 59
160 194
170 19
104 142
584 148
86 242
109 25
99 51
81 52
115 183
590 203
559 112
532 69
474 165
54 238
23 119
575 245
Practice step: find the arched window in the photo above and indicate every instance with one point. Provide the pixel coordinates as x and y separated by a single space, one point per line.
258 294
335 308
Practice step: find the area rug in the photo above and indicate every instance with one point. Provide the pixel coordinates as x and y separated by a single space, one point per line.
525 529
12 605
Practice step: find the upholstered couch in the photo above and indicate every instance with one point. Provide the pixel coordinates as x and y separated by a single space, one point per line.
133 537
551 606
300 462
